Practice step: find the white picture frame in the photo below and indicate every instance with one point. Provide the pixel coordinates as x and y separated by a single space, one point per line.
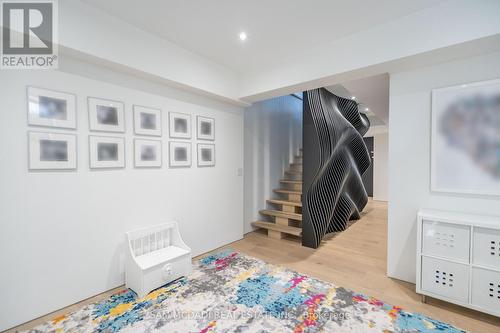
52 151
147 121
147 153
179 125
50 108
179 154
106 152
206 155
458 127
106 115
205 128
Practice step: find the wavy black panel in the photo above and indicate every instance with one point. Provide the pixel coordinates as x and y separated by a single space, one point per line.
335 157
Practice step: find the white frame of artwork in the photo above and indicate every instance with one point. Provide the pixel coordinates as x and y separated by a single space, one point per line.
137 154
32 102
202 163
93 102
171 149
34 162
138 109
434 137
93 158
171 122
200 136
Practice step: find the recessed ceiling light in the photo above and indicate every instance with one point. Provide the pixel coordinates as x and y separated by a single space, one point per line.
243 35
353 97
367 109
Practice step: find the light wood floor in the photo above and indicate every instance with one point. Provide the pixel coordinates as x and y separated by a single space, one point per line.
354 259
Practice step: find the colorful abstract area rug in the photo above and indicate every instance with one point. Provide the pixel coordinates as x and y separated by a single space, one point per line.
231 292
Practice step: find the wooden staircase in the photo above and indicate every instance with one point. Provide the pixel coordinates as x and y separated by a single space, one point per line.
285 216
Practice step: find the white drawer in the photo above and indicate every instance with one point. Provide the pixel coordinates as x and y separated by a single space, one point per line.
446 240
486 250
164 273
445 278
485 291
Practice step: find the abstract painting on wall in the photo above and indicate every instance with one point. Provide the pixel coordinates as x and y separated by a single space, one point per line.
206 128
147 153
180 154
106 115
465 155
106 152
51 108
180 125
206 155
147 121
51 151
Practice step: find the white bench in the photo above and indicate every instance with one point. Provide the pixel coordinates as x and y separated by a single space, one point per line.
156 256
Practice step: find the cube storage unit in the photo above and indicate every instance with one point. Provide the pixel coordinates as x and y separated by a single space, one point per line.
458 259
156 256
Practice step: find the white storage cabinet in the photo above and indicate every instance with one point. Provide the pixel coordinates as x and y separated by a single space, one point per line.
458 259
156 256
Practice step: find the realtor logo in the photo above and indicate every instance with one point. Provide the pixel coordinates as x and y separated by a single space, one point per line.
29 34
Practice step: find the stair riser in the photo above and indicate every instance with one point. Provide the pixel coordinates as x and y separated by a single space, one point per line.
275 234
281 221
288 222
295 229
289 209
295 187
294 197
296 167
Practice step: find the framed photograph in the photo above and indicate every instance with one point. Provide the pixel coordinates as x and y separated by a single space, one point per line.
466 139
106 115
106 152
206 155
147 153
205 128
52 151
147 121
180 154
51 108
180 125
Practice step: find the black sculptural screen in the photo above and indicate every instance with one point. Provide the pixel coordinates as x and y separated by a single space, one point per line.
335 157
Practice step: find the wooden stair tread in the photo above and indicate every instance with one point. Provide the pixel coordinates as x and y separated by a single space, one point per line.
294 172
281 190
278 227
285 202
278 213
296 164
291 181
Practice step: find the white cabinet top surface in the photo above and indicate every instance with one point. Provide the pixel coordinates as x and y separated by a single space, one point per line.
486 221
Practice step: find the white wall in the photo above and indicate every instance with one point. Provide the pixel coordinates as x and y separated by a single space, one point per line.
273 135
380 166
409 155
62 233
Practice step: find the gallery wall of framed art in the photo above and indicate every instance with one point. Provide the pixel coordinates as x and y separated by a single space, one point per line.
58 151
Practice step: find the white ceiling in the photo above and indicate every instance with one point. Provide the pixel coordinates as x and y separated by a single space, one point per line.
276 29
372 93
